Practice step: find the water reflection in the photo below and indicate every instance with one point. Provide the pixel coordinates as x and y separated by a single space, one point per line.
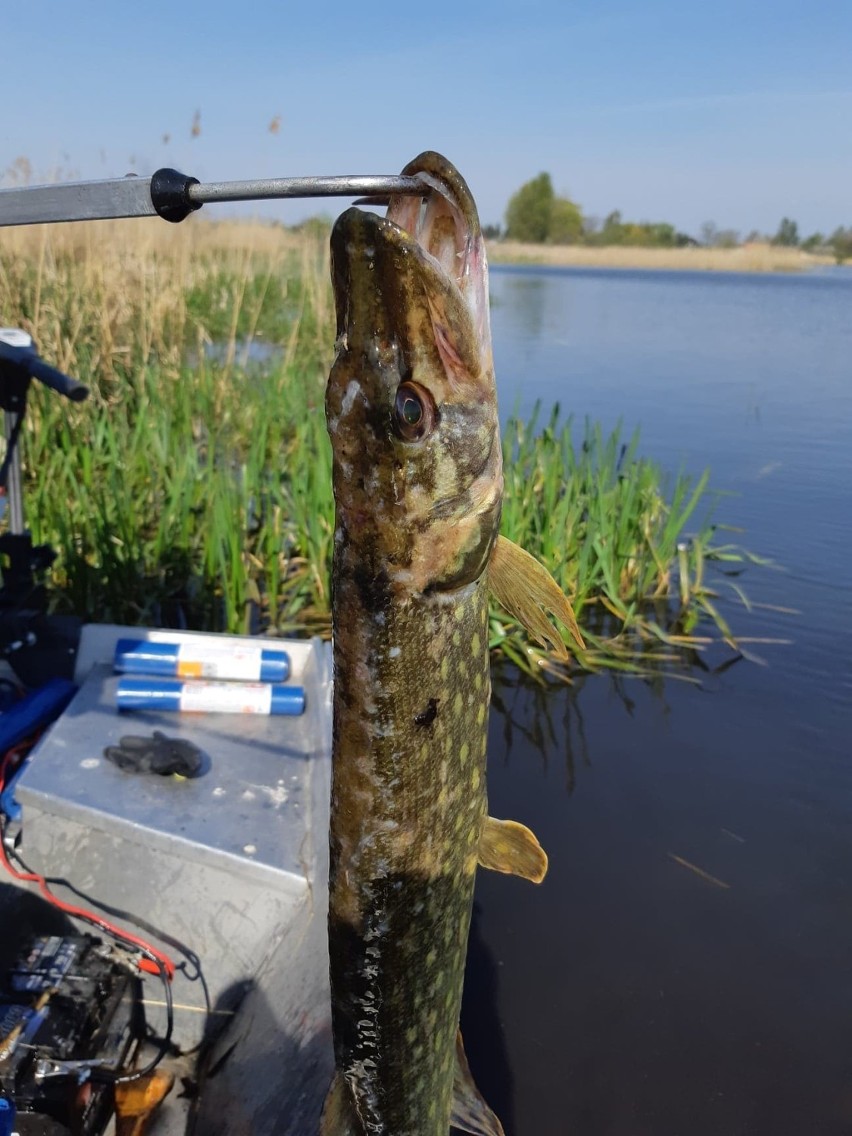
689 947
248 354
482 1028
525 298
545 721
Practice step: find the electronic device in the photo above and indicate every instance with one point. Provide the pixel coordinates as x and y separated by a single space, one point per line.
70 1019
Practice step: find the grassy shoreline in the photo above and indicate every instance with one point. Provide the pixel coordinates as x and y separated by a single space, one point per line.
193 489
749 258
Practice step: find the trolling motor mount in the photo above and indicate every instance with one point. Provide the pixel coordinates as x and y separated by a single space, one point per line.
25 627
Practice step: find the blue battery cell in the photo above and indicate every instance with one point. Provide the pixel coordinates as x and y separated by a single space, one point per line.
217 660
200 697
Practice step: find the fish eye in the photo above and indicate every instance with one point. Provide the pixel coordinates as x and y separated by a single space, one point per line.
414 412
409 408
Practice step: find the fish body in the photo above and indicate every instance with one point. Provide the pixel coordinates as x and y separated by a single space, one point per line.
405 855
417 471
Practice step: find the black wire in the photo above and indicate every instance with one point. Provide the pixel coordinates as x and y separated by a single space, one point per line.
86 917
107 1075
138 921
110 1077
162 1051
143 924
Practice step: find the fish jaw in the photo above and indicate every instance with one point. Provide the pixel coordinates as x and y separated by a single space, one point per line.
449 230
412 315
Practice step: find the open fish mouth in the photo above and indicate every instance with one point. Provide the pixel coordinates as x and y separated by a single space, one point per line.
435 241
445 223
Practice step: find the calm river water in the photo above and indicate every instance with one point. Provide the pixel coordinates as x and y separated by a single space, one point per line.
630 995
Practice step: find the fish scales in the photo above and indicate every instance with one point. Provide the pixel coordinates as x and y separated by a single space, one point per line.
411 856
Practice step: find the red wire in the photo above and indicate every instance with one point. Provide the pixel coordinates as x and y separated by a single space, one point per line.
153 965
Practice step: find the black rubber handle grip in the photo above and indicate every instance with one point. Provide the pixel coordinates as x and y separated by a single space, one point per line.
56 380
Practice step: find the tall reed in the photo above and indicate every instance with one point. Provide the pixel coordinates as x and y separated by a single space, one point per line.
193 489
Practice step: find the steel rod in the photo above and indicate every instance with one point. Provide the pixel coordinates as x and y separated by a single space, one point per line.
132 196
77 201
347 185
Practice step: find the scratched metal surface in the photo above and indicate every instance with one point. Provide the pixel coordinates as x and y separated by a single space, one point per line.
233 864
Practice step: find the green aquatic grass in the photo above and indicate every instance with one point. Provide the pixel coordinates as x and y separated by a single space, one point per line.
194 490
171 514
630 546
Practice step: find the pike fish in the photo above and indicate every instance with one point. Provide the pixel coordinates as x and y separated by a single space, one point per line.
411 409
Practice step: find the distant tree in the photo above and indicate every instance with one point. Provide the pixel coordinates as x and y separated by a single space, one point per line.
566 222
755 237
662 234
491 232
814 241
714 237
727 239
529 210
612 231
841 243
788 233
536 214
707 233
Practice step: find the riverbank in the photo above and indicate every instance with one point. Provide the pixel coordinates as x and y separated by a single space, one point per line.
748 258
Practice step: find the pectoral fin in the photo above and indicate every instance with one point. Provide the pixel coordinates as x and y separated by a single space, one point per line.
507 846
470 1112
338 1115
527 591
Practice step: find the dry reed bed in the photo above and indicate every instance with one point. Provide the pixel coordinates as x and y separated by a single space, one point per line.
748 258
106 295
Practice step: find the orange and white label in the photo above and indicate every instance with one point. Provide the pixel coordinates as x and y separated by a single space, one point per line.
226 698
239 663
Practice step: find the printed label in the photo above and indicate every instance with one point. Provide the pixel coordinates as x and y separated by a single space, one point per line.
239 663
226 698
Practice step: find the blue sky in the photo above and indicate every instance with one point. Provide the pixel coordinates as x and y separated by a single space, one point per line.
736 112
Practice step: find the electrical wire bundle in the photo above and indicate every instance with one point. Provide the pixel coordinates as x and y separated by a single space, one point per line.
149 959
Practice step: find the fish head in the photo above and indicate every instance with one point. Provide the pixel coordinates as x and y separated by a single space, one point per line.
411 402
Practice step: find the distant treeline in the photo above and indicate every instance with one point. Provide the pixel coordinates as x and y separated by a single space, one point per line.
536 214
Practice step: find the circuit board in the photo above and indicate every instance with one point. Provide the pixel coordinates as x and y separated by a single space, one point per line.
68 999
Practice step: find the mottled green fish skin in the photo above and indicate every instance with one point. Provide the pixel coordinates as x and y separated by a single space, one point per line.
416 522
397 973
